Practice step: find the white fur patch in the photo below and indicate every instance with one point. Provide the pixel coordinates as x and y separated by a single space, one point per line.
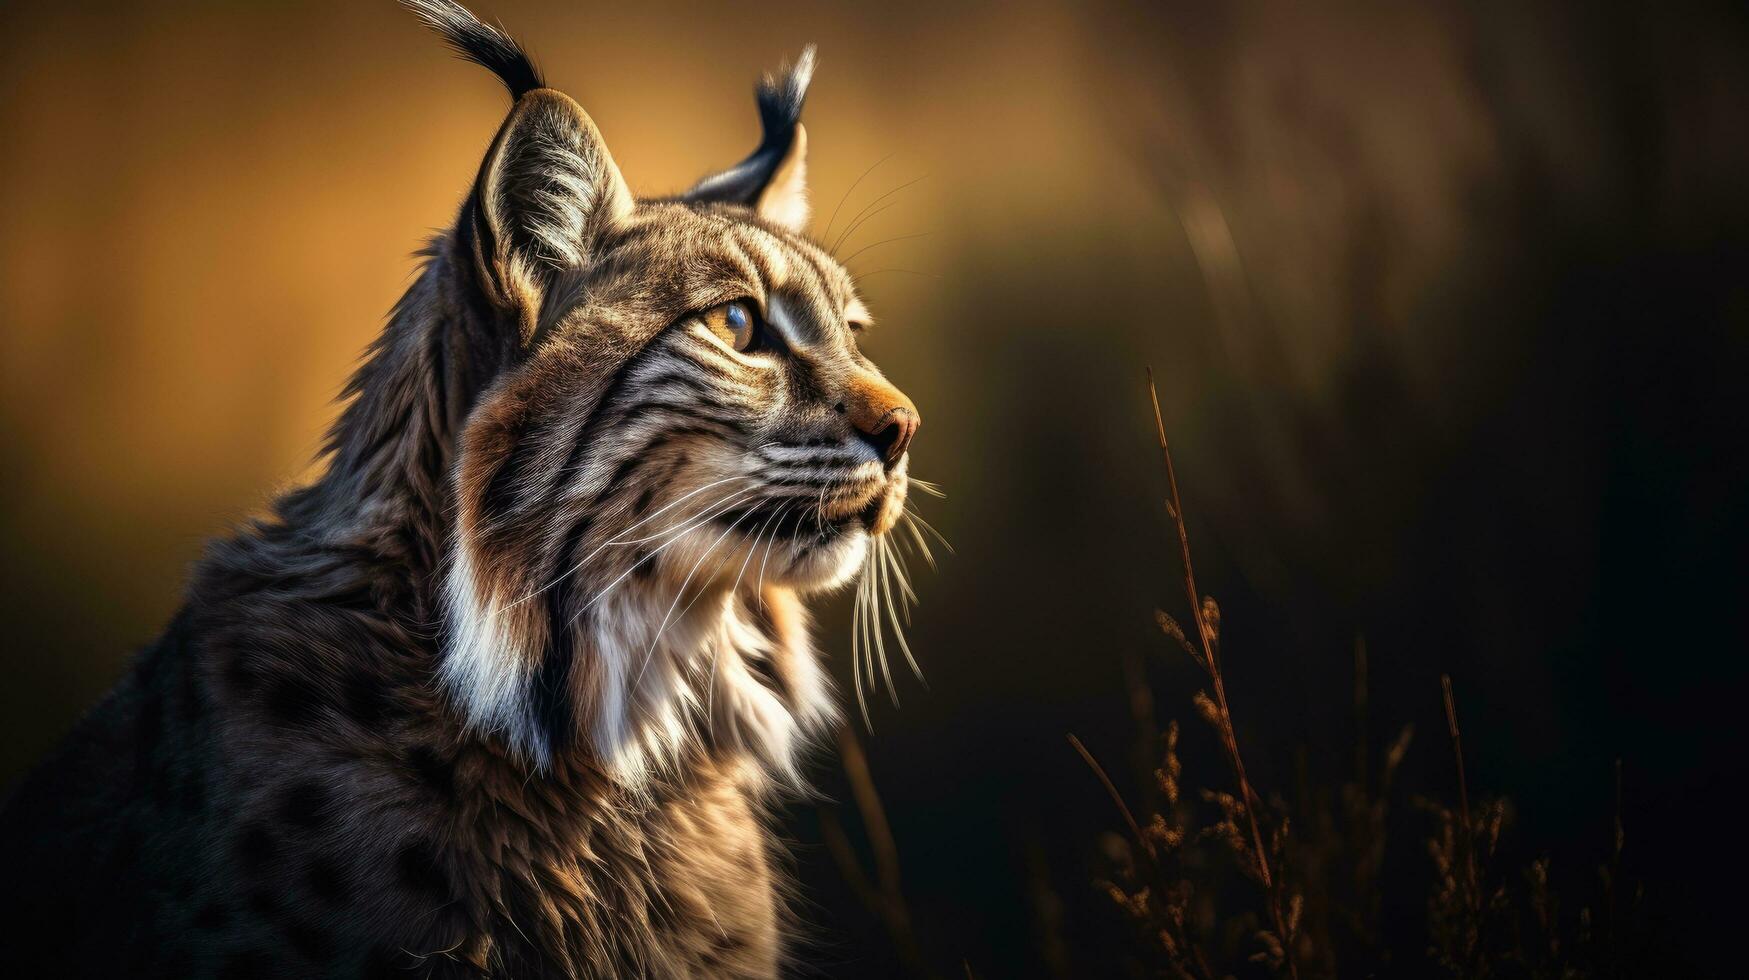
484 667
669 671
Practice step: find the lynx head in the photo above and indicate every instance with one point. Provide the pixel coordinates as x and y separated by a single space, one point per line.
681 438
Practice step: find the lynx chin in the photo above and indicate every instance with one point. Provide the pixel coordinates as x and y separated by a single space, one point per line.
511 689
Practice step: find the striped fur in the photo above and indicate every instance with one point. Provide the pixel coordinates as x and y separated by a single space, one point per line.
506 691
752 449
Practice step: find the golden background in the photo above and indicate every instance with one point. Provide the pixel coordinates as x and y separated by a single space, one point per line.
1406 273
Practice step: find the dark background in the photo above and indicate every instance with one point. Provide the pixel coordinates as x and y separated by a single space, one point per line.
1448 304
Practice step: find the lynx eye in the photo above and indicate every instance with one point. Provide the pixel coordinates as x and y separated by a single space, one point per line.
734 322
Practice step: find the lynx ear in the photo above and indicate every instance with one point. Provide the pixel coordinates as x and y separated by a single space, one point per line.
773 180
546 191
785 198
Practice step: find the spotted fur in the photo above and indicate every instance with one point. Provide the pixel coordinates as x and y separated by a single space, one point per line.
508 691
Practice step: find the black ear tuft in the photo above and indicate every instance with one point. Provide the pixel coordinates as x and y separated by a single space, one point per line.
780 111
480 43
780 100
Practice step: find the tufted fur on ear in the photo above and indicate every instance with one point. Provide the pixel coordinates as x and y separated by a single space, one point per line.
773 179
548 189
479 42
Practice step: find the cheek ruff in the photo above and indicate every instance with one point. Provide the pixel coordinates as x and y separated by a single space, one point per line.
608 513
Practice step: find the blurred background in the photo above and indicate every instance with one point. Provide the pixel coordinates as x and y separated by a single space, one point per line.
1448 304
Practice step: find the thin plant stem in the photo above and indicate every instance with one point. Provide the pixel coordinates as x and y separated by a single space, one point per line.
1229 740
884 896
1457 748
1472 874
1111 788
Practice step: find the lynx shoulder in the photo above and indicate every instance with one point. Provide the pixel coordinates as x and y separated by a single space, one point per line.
509 690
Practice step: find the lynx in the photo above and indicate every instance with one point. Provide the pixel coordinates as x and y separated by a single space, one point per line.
512 689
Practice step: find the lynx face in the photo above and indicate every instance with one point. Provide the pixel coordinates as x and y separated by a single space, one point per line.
684 436
753 417
501 692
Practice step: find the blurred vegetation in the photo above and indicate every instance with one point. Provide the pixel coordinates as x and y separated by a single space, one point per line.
1446 301
1232 883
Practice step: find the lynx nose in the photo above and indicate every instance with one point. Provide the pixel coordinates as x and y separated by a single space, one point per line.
892 435
882 415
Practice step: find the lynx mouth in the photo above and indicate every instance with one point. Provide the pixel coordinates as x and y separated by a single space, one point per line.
803 523
815 522
870 514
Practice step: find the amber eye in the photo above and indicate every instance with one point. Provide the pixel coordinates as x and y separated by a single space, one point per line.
734 322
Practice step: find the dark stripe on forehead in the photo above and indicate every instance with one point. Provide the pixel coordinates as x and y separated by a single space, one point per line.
805 289
771 250
834 281
819 287
760 249
749 259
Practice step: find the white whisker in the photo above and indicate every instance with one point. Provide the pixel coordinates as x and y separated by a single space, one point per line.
897 557
917 537
856 658
760 589
870 583
649 654
716 650
931 529
753 549
585 560
717 511
933 489
652 537
889 562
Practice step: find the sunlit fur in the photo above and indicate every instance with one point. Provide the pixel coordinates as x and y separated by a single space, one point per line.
615 539
508 689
